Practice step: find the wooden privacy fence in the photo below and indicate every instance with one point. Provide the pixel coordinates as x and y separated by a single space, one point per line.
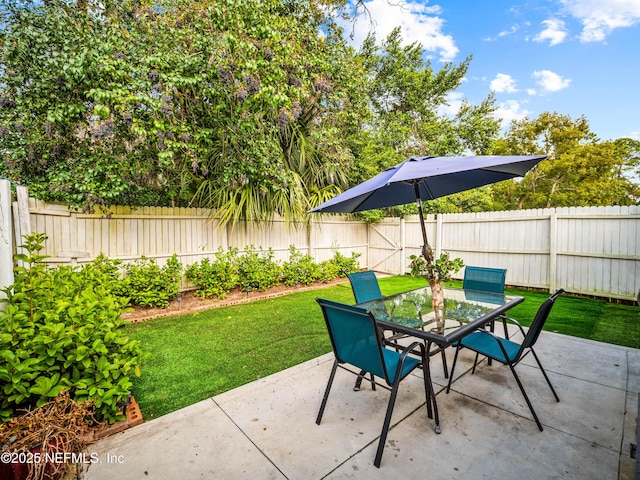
590 250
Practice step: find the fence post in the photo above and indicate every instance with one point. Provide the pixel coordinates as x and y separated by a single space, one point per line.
439 227
553 250
21 220
6 238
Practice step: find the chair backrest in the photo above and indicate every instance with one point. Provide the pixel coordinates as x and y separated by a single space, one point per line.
365 286
484 279
354 336
538 322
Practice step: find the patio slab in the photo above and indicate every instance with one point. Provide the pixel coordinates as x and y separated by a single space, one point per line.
267 429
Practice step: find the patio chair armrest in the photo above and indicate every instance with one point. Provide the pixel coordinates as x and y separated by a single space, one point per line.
411 349
504 318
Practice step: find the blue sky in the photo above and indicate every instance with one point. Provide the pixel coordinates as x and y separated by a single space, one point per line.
574 57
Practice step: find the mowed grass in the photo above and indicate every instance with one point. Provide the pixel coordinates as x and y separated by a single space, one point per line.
199 355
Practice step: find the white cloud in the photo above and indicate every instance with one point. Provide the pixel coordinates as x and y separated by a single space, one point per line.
509 111
419 23
635 135
503 83
532 91
550 81
504 33
600 17
555 32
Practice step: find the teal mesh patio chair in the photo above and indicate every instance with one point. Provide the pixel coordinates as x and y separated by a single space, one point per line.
484 279
356 342
365 288
507 352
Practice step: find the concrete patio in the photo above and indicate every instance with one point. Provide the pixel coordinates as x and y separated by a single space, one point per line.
267 430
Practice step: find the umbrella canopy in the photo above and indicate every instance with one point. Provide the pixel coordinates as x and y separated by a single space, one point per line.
427 178
434 176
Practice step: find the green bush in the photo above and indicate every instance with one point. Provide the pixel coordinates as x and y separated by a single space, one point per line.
106 271
62 330
346 265
257 270
215 278
149 285
300 269
329 270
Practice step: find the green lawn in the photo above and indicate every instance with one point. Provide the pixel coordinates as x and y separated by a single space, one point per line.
197 356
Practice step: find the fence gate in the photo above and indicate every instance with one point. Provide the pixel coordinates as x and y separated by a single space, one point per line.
386 246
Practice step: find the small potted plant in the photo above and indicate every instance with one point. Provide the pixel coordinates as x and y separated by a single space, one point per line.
436 271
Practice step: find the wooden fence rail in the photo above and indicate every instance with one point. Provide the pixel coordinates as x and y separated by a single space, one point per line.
590 250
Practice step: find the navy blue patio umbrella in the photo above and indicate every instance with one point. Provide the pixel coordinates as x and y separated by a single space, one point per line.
426 178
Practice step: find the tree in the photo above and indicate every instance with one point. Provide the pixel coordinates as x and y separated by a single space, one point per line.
231 105
579 171
407 97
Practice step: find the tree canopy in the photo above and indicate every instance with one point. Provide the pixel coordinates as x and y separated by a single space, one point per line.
255 107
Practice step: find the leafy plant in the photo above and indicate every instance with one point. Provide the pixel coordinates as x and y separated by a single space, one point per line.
257 269
149 285
215 278
346 265
329 270
438 270
299 269
62 330
107 271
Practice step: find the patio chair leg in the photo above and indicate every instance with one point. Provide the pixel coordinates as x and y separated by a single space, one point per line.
545 376
526 398
327 390
444 363
453 367
475 362
387 422
358 384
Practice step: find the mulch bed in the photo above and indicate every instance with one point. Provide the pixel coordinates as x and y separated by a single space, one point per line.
189 302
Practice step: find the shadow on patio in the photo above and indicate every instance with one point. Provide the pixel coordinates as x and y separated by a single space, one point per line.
267 429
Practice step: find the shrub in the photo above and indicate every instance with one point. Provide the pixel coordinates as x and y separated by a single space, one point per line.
62 330
300 269
346 265
257 270
149 285
106 271
215 278
329 270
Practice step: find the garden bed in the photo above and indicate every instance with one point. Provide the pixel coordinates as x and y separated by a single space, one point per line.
189 302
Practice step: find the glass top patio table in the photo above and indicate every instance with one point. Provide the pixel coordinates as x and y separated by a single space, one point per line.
464 311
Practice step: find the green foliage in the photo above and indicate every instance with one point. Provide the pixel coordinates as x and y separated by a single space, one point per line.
407 96
300 269
438 270
149 285
62 330
106 271
257 269
345 265
236 105
580 169
215 278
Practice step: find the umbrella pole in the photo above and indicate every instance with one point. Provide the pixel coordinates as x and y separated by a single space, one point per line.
427 253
